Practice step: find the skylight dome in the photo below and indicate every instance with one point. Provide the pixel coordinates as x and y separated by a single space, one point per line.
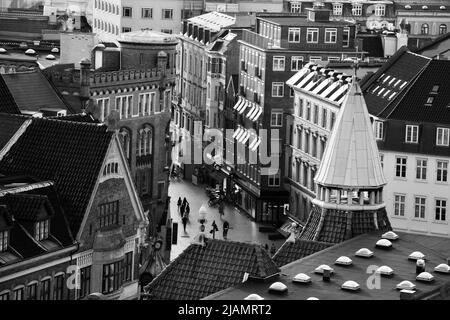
55 50
364 252
385 270
253 296
407 6
50 57
2 50
323 267
384 243
30 52
416 255
424 7
302 278
390 235
312 298
442 7
278 287
350 285
425 276
406 285
343 260
443 268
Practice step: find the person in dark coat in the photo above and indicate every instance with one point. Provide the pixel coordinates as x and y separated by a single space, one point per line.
179 202
184 202
226 226
221 207
214 229
187 210
182 209
184 221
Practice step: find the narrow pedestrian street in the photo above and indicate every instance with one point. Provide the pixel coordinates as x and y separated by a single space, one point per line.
241 227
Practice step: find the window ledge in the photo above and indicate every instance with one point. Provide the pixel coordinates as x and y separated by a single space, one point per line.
440 222
400 178
419 219
442 183
398 217
421 181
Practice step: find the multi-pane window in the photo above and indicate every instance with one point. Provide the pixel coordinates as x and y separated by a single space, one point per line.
85 282
296 63
312 35
316 114
442 137
4 237
441 172
124 105
128 266
277 89
278 63
41 230
296 7
346 37
19 293
315 59
337 9
32 291
103 105
146 103
167 14
380 10
4 296
147 13
412 134
127 11
382 160
58 289
333 120
357 9
399 205
274 180
294 35
442 29
112 277
425 29
421 169
276 119
45 289
419 207
330 35
108 214
126 29
441 209
324 118
378 128
400 167
145 140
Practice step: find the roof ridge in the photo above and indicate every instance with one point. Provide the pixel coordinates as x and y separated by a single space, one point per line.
79 123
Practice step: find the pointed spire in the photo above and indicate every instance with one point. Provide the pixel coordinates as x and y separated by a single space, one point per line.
351 158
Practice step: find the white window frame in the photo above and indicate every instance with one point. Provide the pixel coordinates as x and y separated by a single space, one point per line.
442 137
402 165
277 86
272 179
163 16
296 61
123 105
104 112
331 33
145 10
442 209
312 35
278 119
420 207
279 63
412 134
380 10
378 129
296 7
4 240
421 169
295 33
357 9
399 204
346 31
442 171
130 9
315 59
337 9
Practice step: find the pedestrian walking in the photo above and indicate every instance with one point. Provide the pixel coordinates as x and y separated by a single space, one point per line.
214 229
273 249
182 209
184 221
184 202
187 210
179 202
221 207
266 246
226 226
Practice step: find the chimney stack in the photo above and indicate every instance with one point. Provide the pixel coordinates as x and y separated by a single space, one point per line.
85 71
326 275
407 294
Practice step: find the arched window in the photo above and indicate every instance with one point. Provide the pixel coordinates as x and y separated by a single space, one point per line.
145 141
425 29
443 29
125 138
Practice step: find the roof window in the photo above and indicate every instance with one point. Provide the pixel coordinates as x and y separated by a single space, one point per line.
350 285
407 6
364 252
381 91
55 50
253 296
384 243
312 298
403 84
30 52
425 7
323 267
302 278
416 255
405 284
442 268
390 235
430 100
435 89
50 57
385 271
278 287
2 50
425 276
344 261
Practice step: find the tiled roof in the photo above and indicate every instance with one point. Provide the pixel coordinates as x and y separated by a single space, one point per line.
78 117
291 251
27 206
334 227
9 126
69 153
213 20
202 270
32 91
7 102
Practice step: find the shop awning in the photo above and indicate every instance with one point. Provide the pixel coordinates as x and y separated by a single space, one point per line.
243 106
254 116
238 104
237 132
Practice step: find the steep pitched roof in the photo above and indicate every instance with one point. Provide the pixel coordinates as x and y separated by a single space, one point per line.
293 250
7 102
351 157
69 153
203 270
78 117
26 206
9 126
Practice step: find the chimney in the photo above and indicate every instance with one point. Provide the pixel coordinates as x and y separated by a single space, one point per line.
326 275
407 294
85 71
185 26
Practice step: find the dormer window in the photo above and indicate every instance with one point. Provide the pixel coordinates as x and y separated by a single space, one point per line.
412 134
357 9
435 89
337 9
41 230
4 239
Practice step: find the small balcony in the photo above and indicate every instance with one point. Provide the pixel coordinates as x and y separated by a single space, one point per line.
255 39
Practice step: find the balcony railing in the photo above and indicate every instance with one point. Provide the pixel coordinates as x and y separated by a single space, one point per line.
255 39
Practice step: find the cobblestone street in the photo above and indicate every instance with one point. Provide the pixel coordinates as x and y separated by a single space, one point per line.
241 227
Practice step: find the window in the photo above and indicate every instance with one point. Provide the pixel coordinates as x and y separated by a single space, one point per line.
442 137
4 296
421 169
442 29
124 104
296 7
412 134
126 29
308 110
108 214
324 118
160 189
147 13
346 37
85 281
41 230
4 237
277 89
382 160
32 291
441 209
58 287
276 119
312 35
378 128
127 12
128 266
296 63
103 105
357 9
45 289
419 207
441 172
330 35
316 114
294 35
112 277
169 31
278 63
425 29
274 180
315 59
430 100
337 9
333 120
19 293
400 167
167 14
399 205
380 10
144 104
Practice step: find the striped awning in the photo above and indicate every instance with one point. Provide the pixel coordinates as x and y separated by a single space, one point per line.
255 143
254 116
238 132
239 103
243 106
